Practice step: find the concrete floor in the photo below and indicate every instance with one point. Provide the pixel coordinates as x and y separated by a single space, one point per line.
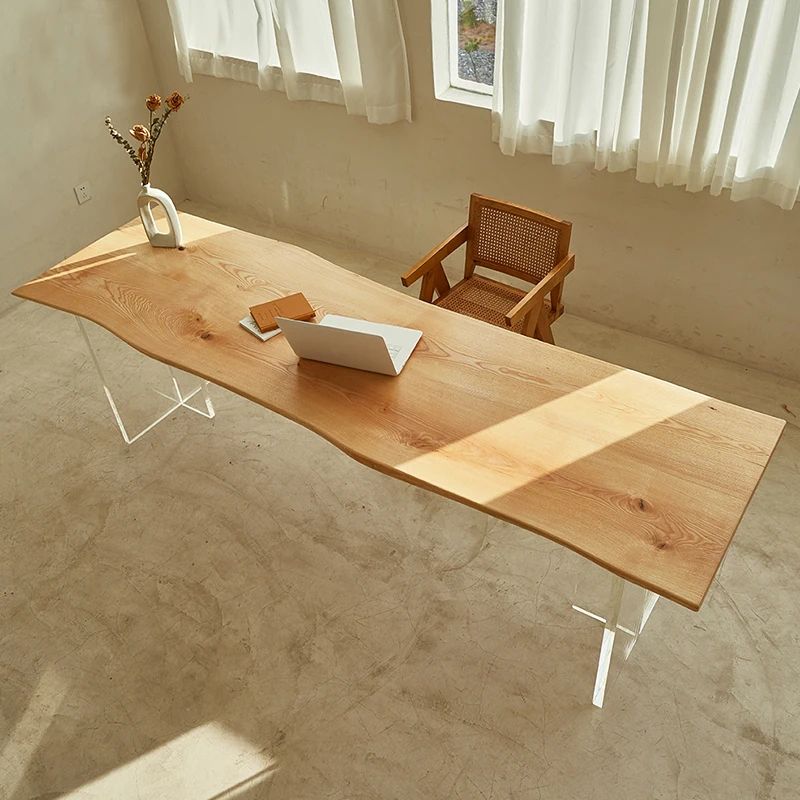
233 608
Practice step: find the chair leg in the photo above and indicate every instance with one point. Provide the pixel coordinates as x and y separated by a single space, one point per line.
543 329
434 280
426 291
441 284
555 297
529 325
530 322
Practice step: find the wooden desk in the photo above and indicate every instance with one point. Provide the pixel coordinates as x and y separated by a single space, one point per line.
645 478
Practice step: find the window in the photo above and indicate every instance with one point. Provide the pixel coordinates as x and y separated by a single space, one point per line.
463 50
696 94
350 53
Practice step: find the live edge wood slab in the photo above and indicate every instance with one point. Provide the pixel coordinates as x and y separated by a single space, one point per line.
645 478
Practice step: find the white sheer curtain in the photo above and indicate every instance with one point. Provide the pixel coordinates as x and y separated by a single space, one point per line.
688 92
350 52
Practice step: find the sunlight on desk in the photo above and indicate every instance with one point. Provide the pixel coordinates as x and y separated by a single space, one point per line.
601 414
82 267
194 229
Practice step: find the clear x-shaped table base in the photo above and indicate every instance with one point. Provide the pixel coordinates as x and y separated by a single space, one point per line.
611 627
178 399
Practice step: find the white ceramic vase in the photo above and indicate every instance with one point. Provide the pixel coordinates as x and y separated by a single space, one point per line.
148 197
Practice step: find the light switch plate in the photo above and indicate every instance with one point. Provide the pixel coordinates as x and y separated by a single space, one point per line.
83 192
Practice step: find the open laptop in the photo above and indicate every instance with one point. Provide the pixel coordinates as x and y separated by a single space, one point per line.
349 342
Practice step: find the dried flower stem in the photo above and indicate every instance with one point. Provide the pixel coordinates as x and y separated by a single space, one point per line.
150 146
155 128
118 137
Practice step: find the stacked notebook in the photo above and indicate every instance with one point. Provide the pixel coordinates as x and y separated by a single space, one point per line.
261 322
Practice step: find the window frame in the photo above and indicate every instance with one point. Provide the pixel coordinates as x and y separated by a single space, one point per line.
447 84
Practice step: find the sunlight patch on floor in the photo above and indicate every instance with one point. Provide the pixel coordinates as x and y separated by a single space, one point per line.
21 746
209 762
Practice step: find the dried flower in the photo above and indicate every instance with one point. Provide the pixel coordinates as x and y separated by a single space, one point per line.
174 101
143 157
140 133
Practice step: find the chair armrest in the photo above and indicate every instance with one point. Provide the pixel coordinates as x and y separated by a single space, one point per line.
436 255
535 296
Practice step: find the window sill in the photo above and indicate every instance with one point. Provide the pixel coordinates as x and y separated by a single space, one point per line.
453 95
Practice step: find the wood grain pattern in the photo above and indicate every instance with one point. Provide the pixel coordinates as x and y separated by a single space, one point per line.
645 478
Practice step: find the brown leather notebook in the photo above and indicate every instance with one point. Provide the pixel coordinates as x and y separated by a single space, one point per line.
294 306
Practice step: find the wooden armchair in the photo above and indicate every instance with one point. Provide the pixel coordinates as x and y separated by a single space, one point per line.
510 239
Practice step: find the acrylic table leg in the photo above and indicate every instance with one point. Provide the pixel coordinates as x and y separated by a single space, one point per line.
179 400
210 412
612 627
609 634
202 389
648 604
109 397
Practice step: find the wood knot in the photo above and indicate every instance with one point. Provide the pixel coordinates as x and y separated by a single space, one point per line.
640 503
662 545
205 335
425 442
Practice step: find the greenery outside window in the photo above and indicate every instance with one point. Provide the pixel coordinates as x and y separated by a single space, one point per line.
463 50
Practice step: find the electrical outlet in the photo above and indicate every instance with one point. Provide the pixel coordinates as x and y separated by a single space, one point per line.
83 192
